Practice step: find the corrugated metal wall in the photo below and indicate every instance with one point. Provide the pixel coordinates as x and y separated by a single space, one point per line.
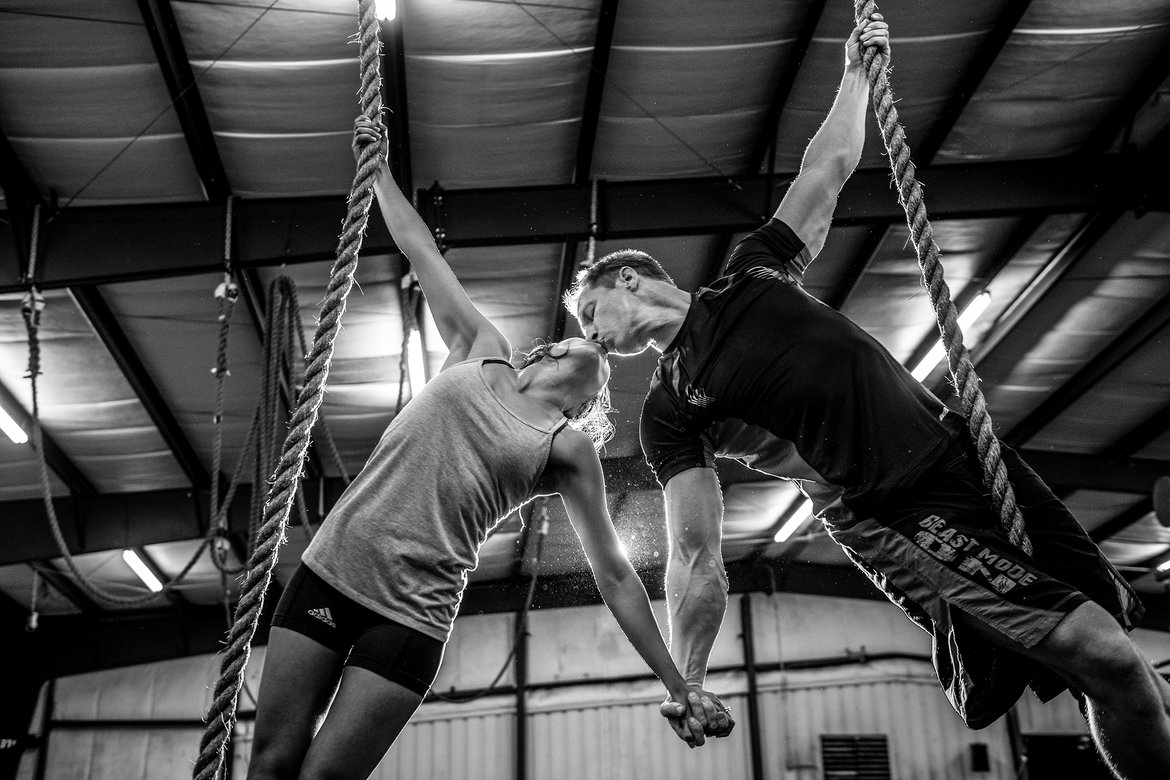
901 699
590 711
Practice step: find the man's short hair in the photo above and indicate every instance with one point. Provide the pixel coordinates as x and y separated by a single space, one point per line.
605 271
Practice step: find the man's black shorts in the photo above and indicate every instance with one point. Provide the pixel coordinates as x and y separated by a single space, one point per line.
313 607
940 541
937 550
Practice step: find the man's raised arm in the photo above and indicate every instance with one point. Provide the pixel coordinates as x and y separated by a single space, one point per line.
835 150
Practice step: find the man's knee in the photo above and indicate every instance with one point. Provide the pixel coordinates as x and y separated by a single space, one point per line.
1094 652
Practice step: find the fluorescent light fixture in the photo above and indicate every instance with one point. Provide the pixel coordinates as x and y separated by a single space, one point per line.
12 428
799 518
1164 566
142 570
415 362
966 320
386 10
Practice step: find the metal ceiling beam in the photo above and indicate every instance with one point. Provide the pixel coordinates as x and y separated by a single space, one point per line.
1096 472
1143 434
72 644
55 457
393 69
167 42
567 273
989 49
175 598
595 91
20 195
120 520
586 143
62 583
1087 234
112 521
1122 116
766 142
1122 521
1023 232
862 261
89 299
1150 325
107 244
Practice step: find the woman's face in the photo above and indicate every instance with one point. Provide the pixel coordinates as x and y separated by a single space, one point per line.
586 360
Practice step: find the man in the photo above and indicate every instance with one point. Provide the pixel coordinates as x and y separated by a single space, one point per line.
755 368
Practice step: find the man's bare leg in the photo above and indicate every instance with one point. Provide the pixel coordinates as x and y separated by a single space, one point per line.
1125 697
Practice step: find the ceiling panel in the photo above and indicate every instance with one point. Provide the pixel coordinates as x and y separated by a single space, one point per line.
1058 76
173 327
86 404
16 582
689 87
119 140
252 63
496 91
1130 395
932 46
1089 307
890 303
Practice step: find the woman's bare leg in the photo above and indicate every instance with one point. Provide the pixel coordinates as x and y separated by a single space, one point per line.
366 716
300 676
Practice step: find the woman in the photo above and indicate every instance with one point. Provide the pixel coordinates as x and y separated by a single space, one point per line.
370 608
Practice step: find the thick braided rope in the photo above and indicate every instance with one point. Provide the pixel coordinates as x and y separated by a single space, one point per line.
966 381
221 714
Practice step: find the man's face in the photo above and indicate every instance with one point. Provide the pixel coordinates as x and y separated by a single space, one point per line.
610 314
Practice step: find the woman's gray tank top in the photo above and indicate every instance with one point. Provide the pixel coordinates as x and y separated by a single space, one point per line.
406 531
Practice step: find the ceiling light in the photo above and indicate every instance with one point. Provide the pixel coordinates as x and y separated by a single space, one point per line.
1164 566
142 570
966 320
386 10
793 524
12 428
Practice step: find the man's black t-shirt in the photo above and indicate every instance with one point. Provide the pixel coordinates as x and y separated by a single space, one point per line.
764 372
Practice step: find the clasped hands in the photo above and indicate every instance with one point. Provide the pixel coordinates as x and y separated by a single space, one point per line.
699 715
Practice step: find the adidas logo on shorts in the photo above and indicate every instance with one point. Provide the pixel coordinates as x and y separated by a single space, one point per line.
324 616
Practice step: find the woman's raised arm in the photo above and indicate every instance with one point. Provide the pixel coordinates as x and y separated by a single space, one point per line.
465 331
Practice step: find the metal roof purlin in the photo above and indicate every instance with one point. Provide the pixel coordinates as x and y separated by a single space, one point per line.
989 49
175 66
1149 325
91 303
55 457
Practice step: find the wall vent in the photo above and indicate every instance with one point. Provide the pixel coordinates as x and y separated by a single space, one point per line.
855 756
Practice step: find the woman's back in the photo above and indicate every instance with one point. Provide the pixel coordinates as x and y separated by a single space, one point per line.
404 534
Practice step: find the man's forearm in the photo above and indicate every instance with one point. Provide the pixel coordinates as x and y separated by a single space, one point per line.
696 594
841 137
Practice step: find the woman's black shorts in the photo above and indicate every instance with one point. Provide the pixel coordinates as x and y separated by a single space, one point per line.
313 607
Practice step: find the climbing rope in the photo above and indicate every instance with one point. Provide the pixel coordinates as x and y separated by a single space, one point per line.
963 374
221 714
